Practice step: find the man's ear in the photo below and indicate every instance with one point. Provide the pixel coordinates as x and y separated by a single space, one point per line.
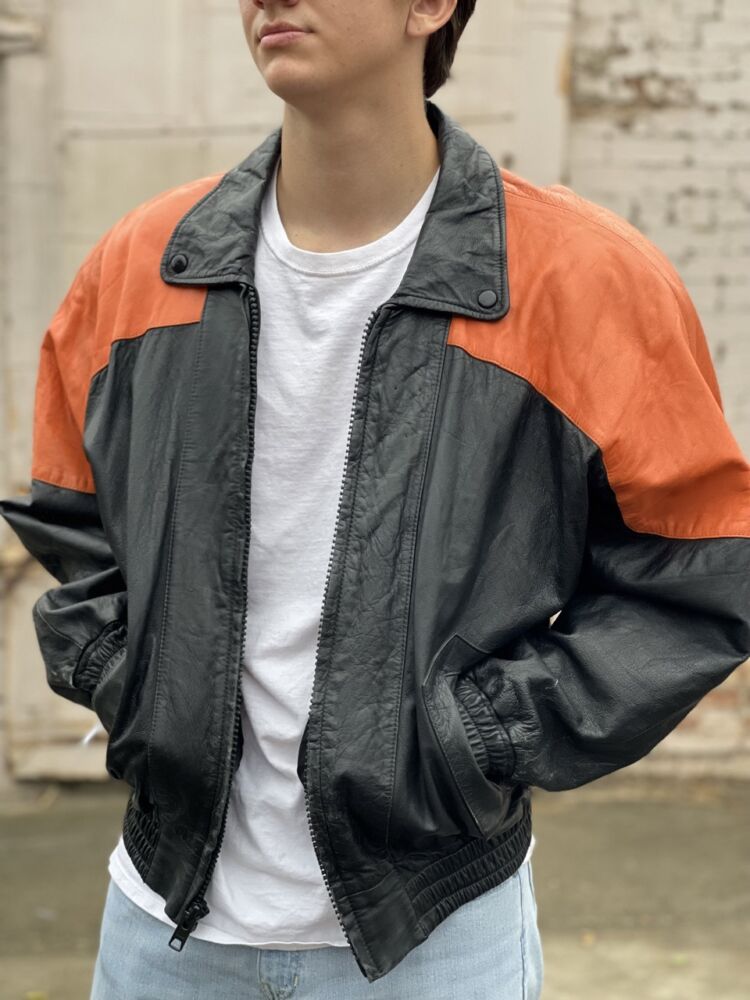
425 17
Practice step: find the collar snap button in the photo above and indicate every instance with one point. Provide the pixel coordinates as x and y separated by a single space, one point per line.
178 263
487 298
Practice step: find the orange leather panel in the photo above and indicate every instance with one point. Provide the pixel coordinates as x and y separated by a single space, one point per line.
602 325
117 293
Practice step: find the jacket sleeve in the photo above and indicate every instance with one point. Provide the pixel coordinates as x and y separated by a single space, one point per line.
81 623
660 613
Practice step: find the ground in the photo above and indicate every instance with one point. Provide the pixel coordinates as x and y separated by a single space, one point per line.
642 886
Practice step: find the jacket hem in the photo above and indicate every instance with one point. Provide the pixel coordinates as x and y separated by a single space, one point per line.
140 834
460 877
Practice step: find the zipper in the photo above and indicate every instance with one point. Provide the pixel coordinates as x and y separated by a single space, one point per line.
198 908
316 678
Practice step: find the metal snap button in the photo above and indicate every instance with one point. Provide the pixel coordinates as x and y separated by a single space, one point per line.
487 298
178 263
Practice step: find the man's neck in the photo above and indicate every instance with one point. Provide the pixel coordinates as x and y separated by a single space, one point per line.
351 175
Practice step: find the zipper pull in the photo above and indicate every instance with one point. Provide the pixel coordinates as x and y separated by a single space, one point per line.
197 909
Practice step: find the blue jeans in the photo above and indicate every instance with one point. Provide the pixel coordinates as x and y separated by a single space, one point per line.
488 948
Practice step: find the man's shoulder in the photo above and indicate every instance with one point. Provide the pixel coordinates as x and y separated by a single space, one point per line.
117 291
149 224
555 221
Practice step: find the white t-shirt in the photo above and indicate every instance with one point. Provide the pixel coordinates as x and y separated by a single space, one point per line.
267 888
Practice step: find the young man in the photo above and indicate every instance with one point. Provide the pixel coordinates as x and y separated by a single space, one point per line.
381 486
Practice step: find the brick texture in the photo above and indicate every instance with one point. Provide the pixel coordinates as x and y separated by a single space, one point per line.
660 132
640 105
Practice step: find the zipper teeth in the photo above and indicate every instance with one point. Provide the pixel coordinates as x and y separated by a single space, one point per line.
198 907
368 327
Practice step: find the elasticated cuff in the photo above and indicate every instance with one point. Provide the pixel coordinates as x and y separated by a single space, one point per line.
98 652
475 738
487 735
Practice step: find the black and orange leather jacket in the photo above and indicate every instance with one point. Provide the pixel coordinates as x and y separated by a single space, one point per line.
541 559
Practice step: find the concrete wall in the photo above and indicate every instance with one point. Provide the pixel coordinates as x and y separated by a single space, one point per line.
639 106
23 70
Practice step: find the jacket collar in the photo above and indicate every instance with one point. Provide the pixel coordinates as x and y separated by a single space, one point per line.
459 263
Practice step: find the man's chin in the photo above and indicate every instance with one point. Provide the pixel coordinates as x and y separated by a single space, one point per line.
298 89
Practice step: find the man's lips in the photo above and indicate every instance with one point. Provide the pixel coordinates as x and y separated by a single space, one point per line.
277 39
277 27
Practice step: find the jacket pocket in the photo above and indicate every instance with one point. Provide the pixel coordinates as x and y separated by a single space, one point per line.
488 806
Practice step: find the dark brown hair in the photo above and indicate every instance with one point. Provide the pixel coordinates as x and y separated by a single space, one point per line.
442 45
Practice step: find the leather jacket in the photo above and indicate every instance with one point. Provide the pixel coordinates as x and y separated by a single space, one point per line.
541 559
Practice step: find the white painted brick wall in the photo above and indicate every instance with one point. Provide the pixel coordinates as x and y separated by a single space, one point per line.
660 132
640 105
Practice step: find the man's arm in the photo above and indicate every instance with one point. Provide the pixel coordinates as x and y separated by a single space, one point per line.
82 622
661 610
